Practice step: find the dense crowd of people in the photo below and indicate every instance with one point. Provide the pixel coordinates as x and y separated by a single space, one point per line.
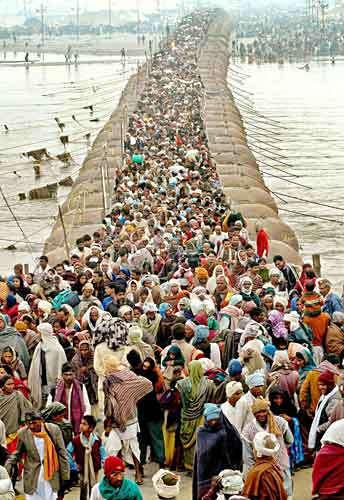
167 336
289 35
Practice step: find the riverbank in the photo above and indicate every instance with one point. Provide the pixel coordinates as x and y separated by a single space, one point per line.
96 45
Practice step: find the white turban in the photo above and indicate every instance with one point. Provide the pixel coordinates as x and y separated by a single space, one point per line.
256 379
24 307
45 306
231 481
233 387
266 444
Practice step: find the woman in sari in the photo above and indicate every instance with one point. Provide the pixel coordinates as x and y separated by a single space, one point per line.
195 390
282 405
13 406
82 363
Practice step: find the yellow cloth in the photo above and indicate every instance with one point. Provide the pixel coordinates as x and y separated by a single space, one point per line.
3 290
51 462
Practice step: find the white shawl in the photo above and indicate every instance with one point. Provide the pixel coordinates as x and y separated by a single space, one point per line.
54 357
315 424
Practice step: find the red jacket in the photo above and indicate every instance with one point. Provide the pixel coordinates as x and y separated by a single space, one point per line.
79 454
262 243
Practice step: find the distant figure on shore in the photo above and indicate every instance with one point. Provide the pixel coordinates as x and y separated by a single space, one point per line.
333 61
27 57
76 58
123 55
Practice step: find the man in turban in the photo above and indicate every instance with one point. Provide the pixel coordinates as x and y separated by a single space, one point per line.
264 420
256 384
234 391
218 447
114 486
265 480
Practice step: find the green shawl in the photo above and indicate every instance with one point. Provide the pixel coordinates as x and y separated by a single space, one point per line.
128 491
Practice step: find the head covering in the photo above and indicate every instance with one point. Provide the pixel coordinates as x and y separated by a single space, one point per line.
113 331
135 334
281 360
269 351
53 410
293 319
191 325
211 411
234 367
124 310
45 307
274 272
150 307
266 444
327 378
113 464
166 484
335 433
235 299
196 373
281 300
278 327
201 333
231 482
256 379
201 273
260 405
46 330
163 308
24 307
233 387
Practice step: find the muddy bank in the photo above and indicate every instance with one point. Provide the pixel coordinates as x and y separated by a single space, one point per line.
239 172
90 198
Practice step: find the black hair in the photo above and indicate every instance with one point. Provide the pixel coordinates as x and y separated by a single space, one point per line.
277 258
44 257
256 311
309 286
178 331
4 379
90 420
134 359
67 367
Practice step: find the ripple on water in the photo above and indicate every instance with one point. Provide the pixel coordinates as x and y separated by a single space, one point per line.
310 107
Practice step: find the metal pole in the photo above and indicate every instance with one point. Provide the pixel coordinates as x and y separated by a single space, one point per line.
64 233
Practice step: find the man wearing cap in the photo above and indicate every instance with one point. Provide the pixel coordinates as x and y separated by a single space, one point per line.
264 420
264 480
114 486
218 447
234 391
256 383
45 458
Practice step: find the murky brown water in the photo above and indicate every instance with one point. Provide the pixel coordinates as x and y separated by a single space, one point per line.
29 102
310 108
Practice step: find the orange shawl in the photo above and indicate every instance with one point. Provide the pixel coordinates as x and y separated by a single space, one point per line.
51 462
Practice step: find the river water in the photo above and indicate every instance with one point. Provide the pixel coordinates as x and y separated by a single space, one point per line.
304 118
30 100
